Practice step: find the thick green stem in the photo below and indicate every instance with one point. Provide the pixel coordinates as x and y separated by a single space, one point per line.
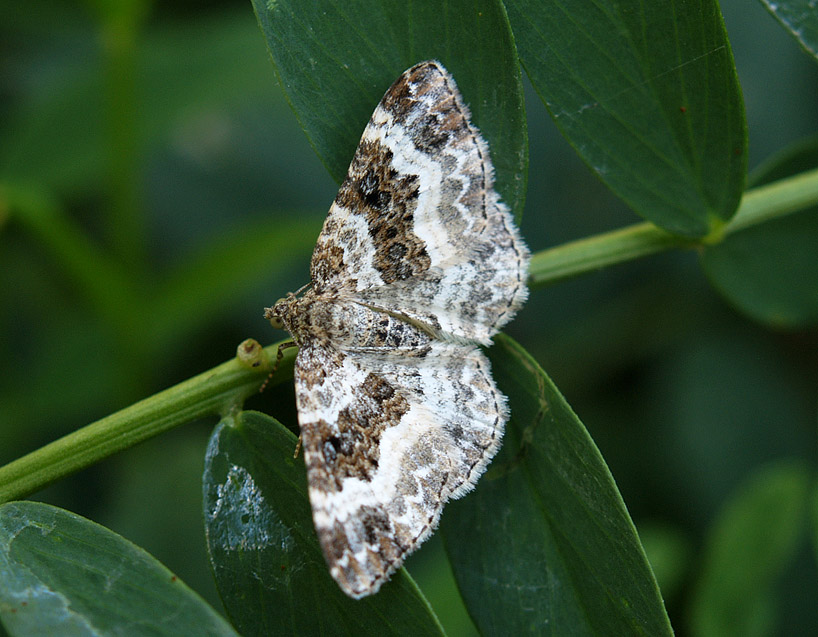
213 392
586 255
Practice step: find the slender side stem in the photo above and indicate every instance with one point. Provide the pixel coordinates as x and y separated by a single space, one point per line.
216 391
120 30
776 200
593 253
585 255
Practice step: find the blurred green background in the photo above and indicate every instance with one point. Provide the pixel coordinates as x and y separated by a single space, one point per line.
185 126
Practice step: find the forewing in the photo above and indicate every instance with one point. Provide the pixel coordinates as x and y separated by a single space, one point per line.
388 439
417 223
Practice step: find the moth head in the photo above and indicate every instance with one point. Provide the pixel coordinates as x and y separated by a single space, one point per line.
277 313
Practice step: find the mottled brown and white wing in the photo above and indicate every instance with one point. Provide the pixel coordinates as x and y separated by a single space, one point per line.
383 457
417 227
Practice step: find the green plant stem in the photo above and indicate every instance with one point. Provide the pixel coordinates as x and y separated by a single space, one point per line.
776 199
216 391
226 386
120 31
586 255
639 240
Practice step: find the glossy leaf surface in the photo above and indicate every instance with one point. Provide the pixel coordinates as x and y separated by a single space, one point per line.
64 575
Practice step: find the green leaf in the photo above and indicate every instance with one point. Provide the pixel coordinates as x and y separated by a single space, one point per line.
64 575
545 540
269 568
647 94
336 60
769 270
800 18
752 541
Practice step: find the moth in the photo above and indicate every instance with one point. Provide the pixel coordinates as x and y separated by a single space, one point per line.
418 264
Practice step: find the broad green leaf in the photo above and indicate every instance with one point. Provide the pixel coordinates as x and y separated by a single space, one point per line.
769 271
800 18
545 545
64 575
336 60
752 541
647 94
269 568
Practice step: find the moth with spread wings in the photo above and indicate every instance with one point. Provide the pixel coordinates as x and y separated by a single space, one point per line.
418 263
